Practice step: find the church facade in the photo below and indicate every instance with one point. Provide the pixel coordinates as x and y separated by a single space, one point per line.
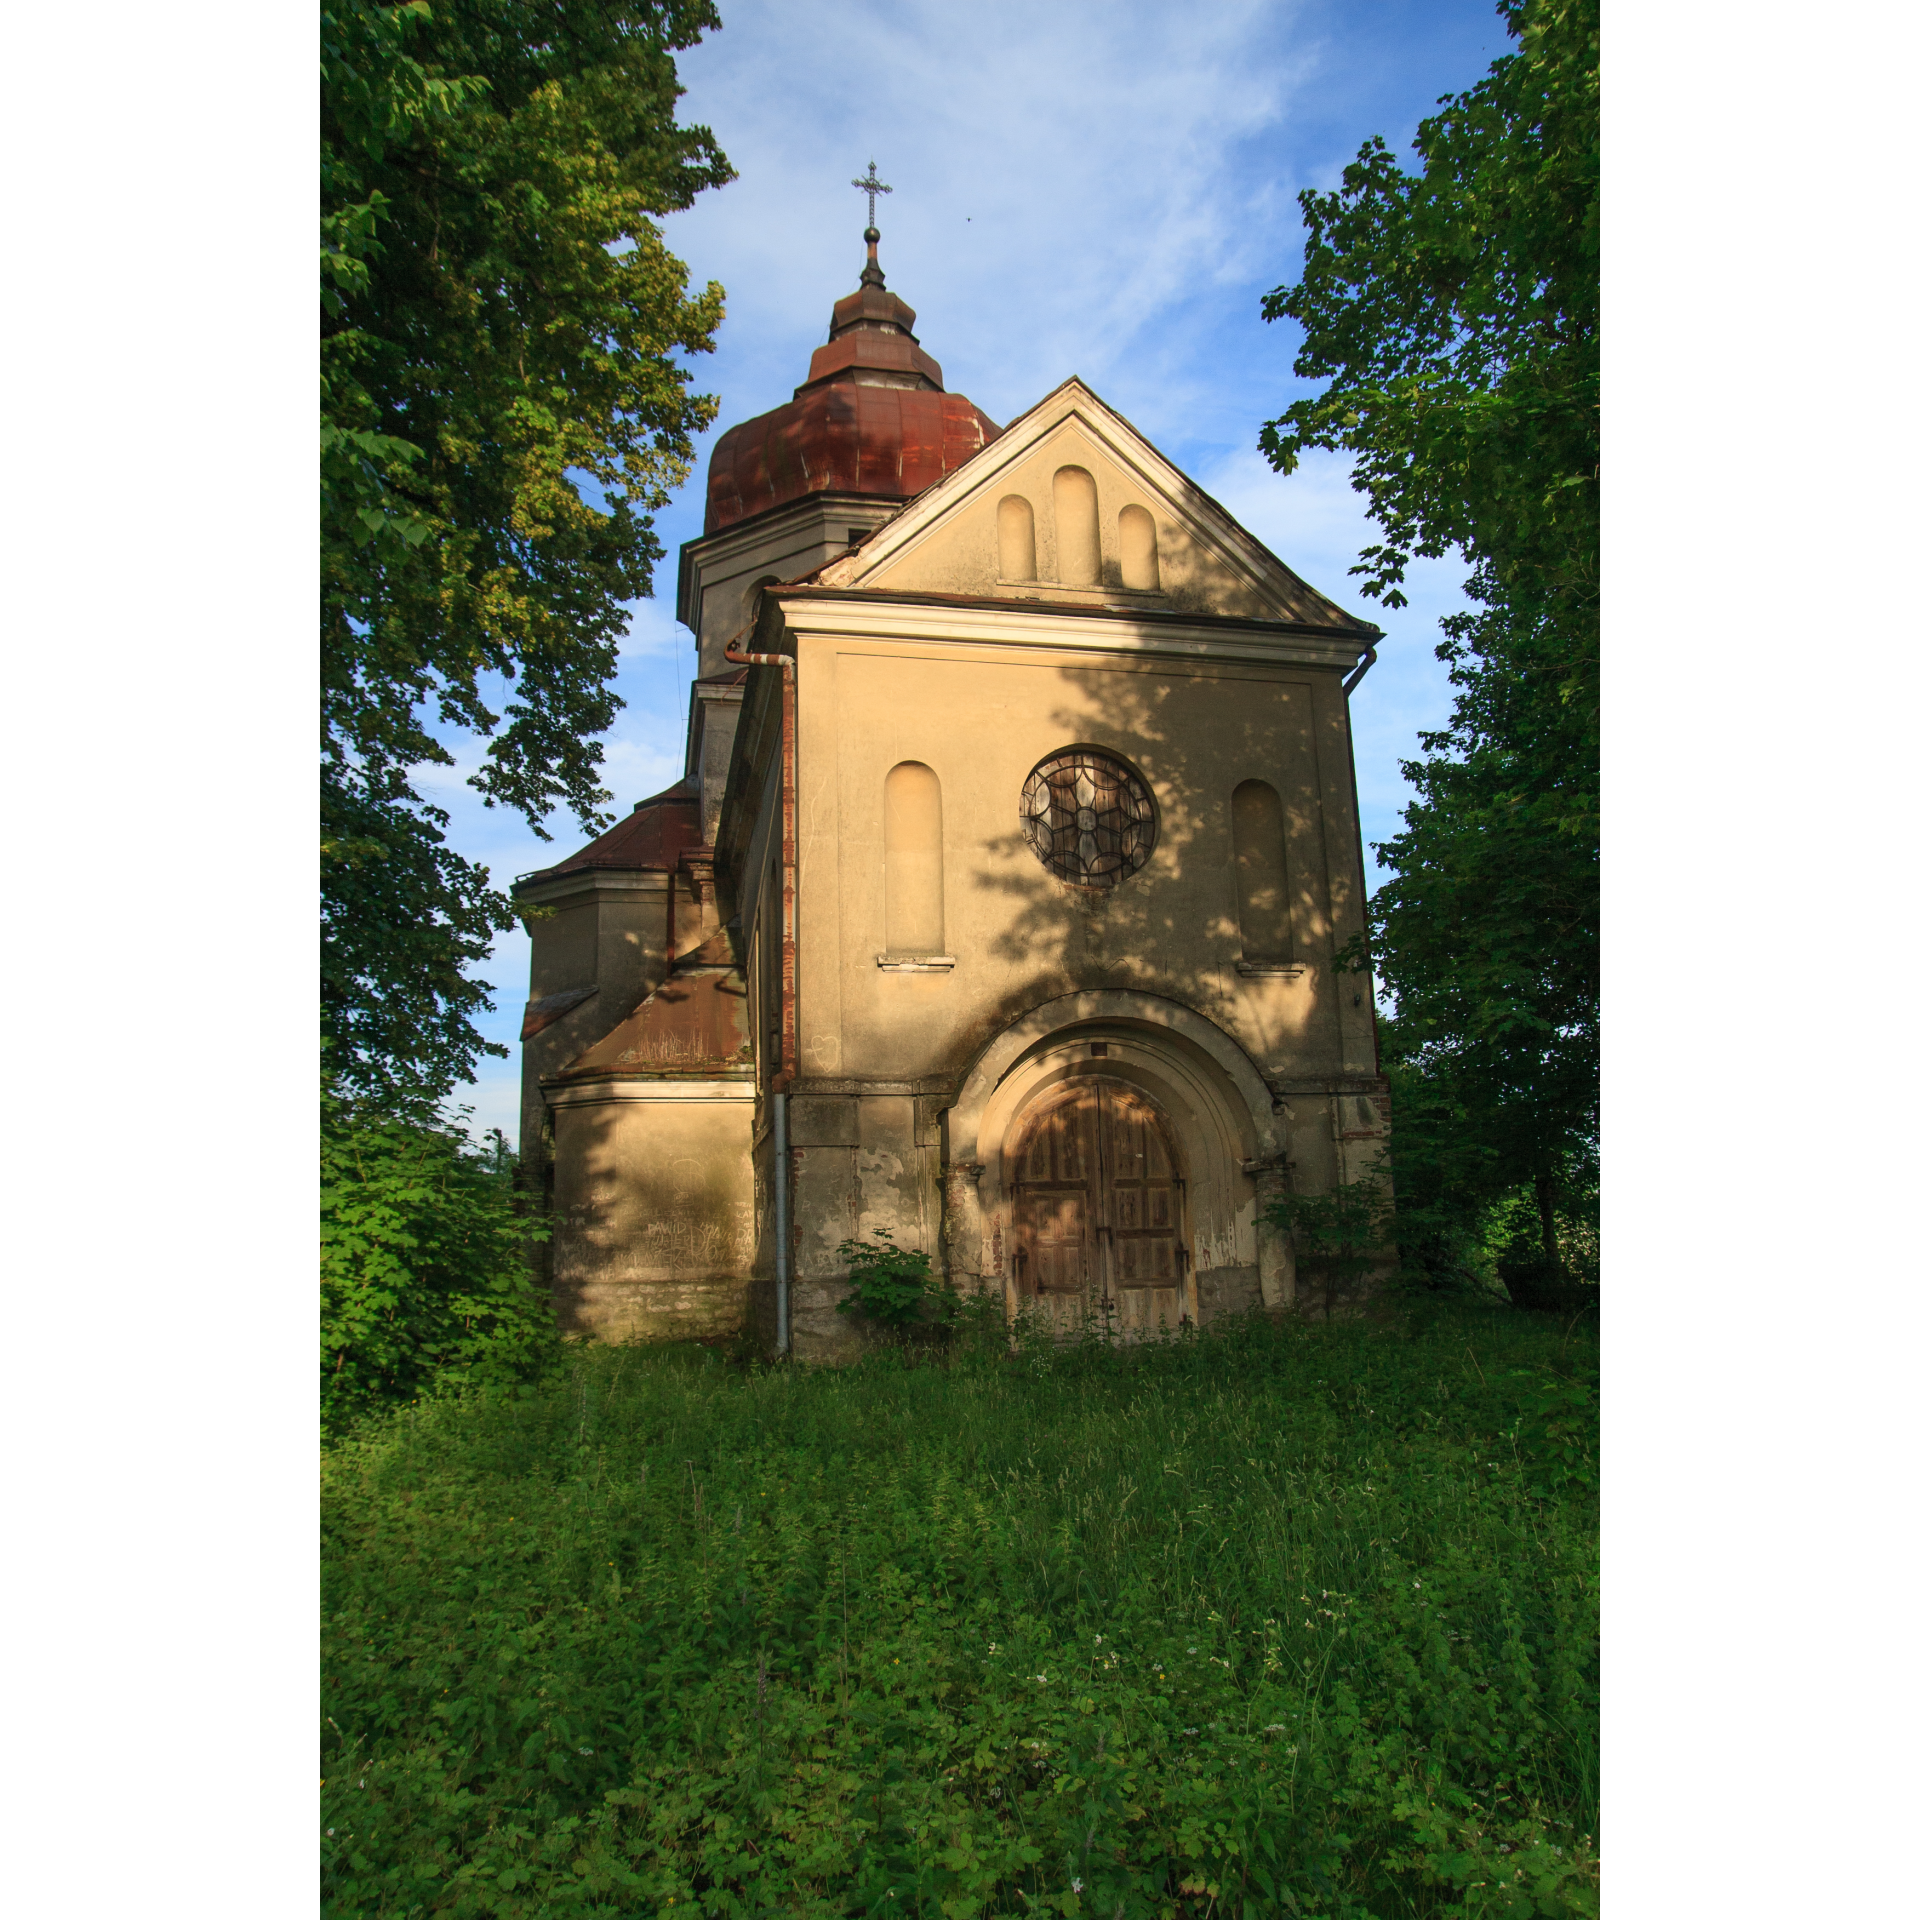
999 906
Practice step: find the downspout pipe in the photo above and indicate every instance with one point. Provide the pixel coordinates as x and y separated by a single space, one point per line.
781 1082
782 1236
1360 672
1360 839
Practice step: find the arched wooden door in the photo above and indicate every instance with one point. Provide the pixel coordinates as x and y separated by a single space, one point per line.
1097 1209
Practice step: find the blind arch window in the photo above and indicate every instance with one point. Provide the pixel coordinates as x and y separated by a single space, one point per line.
1139 551
1076 527
1015 525
915 884
1260 876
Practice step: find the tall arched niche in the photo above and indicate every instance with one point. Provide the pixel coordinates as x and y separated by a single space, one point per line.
915 889
1015 522
1260 876
1076 528
1139 551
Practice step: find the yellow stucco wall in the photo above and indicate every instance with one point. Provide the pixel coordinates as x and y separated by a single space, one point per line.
653 1216
981 717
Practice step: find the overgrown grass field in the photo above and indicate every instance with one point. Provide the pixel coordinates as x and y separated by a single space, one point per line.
1270 1621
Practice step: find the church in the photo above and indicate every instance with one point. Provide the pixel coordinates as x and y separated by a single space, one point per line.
999 904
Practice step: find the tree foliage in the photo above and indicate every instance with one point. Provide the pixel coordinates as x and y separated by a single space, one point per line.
1454 314
1337 1236
503 408
424 1270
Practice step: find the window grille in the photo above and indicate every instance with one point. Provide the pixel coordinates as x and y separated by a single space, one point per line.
1088 818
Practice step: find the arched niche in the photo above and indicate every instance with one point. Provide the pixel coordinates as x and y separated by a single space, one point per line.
1260 876
1076 528
1015 521
1139 551
915 893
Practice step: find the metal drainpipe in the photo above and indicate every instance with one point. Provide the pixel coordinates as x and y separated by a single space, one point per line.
777 1088
782 1235
1360 672
1353 781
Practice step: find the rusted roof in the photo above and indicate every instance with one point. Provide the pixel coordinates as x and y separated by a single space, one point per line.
872 417
650 839
693 1024
842 437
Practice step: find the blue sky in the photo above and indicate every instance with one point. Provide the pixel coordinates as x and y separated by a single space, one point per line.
1101 190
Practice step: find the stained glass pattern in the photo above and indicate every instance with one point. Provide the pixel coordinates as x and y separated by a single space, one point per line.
1088 818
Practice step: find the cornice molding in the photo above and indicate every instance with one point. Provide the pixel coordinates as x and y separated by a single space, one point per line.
549 889
926 619
605 1089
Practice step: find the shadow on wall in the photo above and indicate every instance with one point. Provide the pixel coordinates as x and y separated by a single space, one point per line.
652 1218
1237 882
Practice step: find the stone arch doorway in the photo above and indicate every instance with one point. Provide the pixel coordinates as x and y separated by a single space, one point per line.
1228 1135
1099 1230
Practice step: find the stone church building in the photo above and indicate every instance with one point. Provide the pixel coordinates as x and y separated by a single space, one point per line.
998 906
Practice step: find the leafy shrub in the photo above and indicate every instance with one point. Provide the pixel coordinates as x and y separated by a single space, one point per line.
1266 1621
1554 1433
892 1286
424 1274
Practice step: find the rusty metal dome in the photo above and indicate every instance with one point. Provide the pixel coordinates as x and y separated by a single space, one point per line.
872 416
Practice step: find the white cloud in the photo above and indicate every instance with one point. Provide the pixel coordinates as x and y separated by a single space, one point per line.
653 633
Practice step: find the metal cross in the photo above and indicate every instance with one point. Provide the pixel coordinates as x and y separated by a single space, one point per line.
871 186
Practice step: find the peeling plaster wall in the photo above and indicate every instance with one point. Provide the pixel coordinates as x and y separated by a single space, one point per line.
980 700
860 1164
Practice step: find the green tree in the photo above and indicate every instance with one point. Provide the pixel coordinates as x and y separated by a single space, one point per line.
424 1270
1454 314
503 408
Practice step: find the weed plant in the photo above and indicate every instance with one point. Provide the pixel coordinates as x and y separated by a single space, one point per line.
1271 1620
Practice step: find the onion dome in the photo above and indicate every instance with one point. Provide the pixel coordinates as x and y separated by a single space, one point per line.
873 416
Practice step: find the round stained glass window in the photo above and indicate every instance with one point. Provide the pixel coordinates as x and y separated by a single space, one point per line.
1088 818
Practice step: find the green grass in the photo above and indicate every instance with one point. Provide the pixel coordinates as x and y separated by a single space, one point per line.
1274 1621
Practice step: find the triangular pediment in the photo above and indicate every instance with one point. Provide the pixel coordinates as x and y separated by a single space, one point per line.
1073 505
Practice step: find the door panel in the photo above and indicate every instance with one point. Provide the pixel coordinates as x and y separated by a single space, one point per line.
1057 1236
1144 1208
1097 1210
1053 1211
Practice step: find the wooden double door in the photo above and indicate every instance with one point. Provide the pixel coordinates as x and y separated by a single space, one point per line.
1097 1210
